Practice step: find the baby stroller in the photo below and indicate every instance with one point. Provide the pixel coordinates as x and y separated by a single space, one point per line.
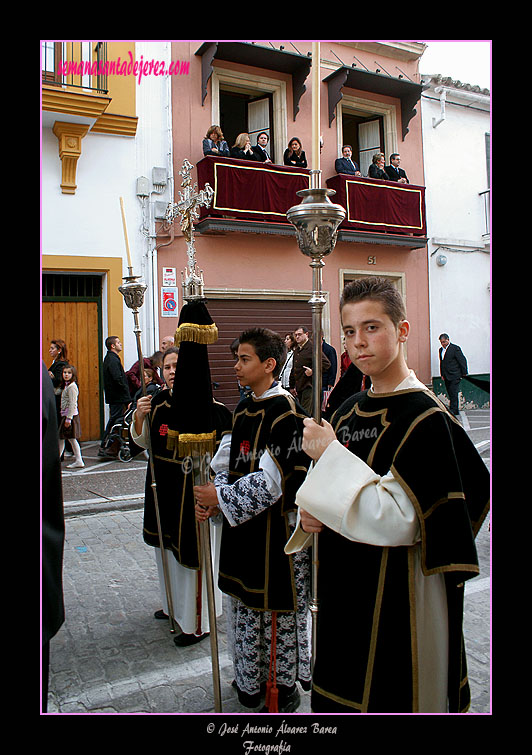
118 441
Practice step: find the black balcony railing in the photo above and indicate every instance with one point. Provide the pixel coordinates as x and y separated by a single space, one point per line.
82 65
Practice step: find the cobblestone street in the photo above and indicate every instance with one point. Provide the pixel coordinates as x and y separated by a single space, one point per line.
112 656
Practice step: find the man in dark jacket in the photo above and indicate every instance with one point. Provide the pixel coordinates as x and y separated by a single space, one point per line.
394 172
116 390
453 367
260 150
345 164
301 373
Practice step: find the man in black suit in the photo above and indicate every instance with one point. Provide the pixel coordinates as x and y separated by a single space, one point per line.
395 173
345 164
116 391
260 150
453 367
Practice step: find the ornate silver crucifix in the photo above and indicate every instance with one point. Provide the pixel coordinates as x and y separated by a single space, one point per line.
190 201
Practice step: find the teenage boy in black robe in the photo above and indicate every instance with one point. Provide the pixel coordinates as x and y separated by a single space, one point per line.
259 468
398 493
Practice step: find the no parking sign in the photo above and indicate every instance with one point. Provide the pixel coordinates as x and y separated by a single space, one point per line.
169 301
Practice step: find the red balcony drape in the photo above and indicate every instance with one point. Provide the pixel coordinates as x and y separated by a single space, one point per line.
380 206
263 192
251 190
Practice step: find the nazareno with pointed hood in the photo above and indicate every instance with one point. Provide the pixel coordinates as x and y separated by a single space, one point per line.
193 423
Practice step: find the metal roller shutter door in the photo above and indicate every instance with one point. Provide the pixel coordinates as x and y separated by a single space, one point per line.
232 316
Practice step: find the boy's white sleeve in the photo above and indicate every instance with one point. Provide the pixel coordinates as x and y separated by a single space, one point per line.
346 495
142 439
220 460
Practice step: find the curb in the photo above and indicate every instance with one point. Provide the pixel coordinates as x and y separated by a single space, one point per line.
88 509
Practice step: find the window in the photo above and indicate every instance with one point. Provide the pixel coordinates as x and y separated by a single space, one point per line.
487 138
365 135
51 59
241 99
368 126
76 64
242 112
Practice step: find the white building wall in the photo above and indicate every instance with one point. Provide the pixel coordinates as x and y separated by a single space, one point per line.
455 175
153 150
89 222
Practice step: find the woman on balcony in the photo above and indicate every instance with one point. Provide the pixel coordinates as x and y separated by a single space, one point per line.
376 169
241 149
294 155
214 143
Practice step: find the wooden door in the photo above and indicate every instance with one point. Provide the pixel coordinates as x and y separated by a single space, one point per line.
76 323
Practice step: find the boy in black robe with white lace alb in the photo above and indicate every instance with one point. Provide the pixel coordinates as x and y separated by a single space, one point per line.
259 468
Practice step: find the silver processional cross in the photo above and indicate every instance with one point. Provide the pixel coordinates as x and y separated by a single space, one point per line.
187 207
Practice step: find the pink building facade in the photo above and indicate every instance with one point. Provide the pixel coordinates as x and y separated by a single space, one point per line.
253 270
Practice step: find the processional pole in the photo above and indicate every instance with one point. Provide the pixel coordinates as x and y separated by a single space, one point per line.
190 200
316 220
133 292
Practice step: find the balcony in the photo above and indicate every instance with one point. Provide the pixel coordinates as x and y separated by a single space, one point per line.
253 197
81 79
383 212
78 65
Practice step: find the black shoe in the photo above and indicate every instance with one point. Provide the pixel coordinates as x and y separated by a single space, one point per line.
247 700
289 700
160 614
183 640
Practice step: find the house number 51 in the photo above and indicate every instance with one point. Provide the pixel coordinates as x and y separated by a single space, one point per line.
372 260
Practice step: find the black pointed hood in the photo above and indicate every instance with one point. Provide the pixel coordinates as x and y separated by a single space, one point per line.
193 421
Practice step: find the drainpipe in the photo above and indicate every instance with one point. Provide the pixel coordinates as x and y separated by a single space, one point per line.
471 98
443 94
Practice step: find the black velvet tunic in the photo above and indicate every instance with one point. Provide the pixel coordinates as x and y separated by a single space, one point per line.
412 434
253 565
175 482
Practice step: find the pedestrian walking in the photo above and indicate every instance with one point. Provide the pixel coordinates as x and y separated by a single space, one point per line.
453 367
70 426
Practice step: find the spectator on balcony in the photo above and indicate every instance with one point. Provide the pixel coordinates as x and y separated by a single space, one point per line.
214 143
394 172
260 150
345 164
376 169
241 149
294 154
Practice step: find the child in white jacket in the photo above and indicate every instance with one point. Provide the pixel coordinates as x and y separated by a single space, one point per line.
70 426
